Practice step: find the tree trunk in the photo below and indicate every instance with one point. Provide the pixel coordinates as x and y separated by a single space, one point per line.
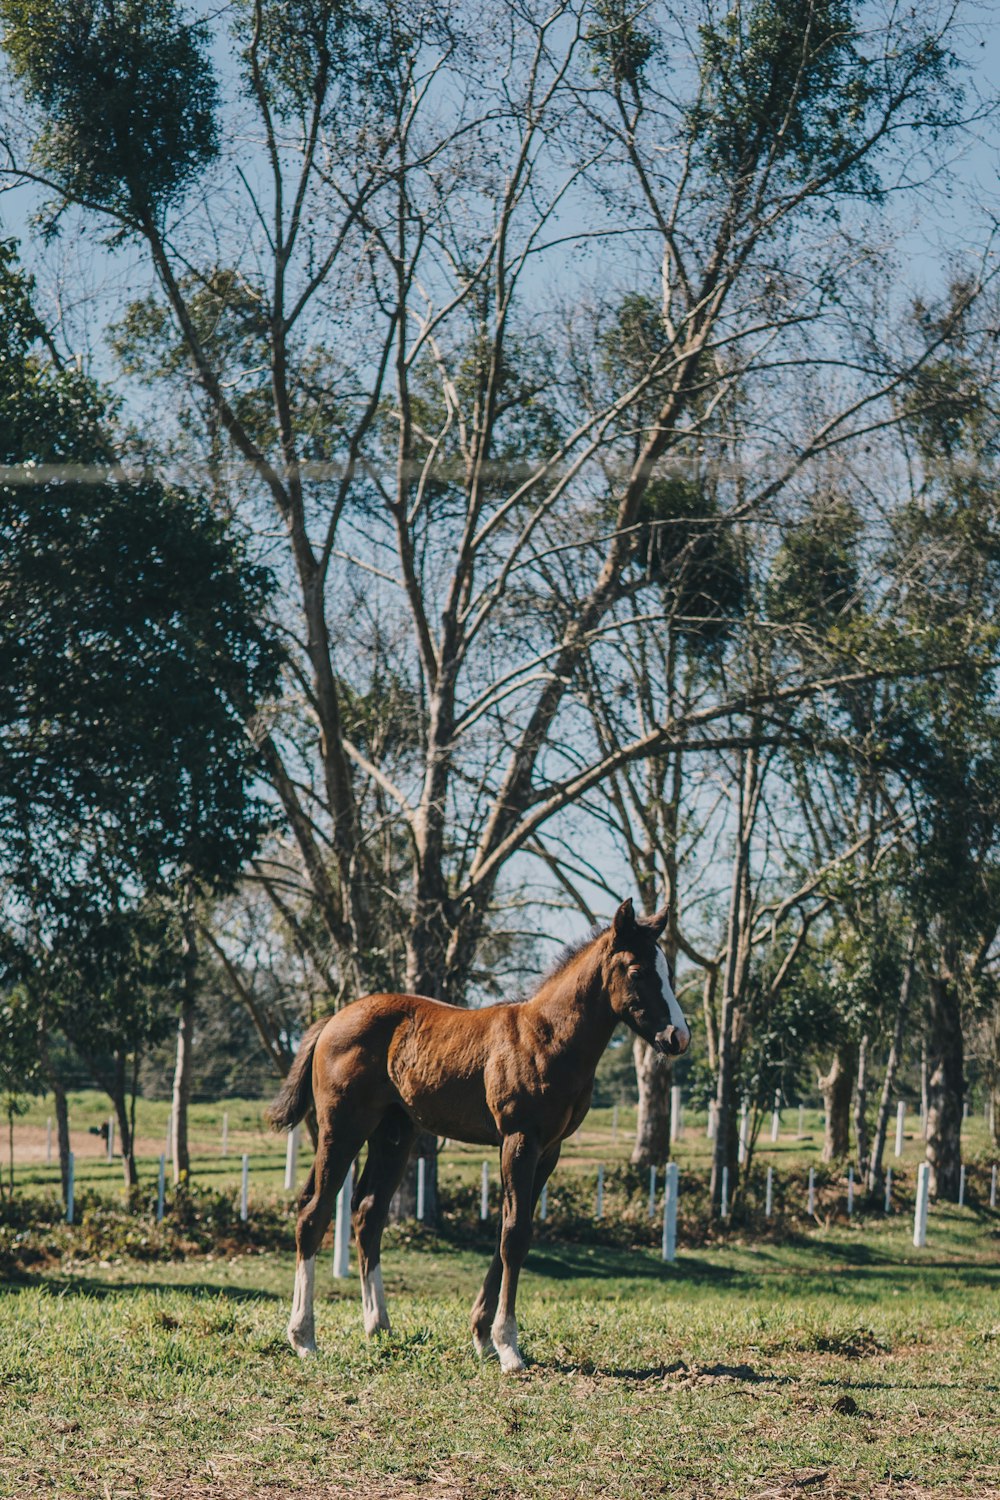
946 1087
724 1148
62 1116
836 1089
876 1169
119 1099
182 1091
653 1073
62 1134
860 1109
179 1148
924 1086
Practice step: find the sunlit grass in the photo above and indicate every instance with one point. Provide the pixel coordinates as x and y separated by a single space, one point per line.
719 1376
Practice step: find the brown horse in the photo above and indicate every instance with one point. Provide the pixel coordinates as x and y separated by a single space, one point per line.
518 1076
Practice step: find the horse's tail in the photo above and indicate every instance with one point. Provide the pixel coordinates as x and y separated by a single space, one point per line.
296 1097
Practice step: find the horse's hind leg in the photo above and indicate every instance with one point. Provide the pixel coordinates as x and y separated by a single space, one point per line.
485 1304
388 1152
339 1144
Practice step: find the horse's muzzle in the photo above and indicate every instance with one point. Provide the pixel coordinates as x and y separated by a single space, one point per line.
672 1041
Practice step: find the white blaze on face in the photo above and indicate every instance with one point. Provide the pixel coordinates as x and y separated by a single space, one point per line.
676 1014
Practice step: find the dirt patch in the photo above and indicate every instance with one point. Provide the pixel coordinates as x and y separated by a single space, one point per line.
680 1374
800 1484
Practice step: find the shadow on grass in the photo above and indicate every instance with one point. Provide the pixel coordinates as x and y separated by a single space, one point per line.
817 1264
90 1286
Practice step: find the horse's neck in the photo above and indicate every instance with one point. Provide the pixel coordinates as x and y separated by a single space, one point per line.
576 1006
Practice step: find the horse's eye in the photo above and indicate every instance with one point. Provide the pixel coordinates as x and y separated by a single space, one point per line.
634 969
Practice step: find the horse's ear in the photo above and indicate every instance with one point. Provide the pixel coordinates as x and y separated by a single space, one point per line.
658 921
623 924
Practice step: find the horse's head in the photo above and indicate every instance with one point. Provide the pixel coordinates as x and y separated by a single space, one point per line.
640 984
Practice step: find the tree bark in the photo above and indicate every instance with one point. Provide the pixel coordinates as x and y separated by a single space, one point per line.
946 1086
836 1088
876 1169
61 1109
119 1099
179 1148
653 1073
62 1131
724 1149
860 1109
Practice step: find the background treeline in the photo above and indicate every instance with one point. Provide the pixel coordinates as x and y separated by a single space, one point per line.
462 463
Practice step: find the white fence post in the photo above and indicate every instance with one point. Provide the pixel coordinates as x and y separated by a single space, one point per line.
160 1189
725 1192
600 1192
291 1158
70 1188
920 1208
961 1186
225 1132
900 1122
742 1154
421 1187
484 1192
652 1192
111 1138
769 1194
543 1207
776 1118
888 1190
48 1141
676 1113
670 1213
802 1121
811 1201
245 1189
342 1226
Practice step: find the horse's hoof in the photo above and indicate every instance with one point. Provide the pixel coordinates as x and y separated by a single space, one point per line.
511 1362
484 1347
303 1347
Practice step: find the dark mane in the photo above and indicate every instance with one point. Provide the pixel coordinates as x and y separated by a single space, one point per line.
571 951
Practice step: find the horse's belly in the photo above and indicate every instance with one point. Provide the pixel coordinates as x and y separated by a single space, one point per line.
461 1114
436 1065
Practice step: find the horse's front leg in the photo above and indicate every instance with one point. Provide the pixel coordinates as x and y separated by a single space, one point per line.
518 1161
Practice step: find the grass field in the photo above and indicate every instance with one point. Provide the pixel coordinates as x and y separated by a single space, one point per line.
840 1362
606 1136
843 1364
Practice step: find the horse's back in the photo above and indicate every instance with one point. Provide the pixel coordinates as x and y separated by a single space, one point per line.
428 1056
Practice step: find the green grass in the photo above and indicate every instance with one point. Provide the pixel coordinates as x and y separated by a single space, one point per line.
722 1376
717 1377
598 1141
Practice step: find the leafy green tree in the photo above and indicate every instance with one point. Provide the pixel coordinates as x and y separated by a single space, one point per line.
402 228
128 94
134 647
20 1067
